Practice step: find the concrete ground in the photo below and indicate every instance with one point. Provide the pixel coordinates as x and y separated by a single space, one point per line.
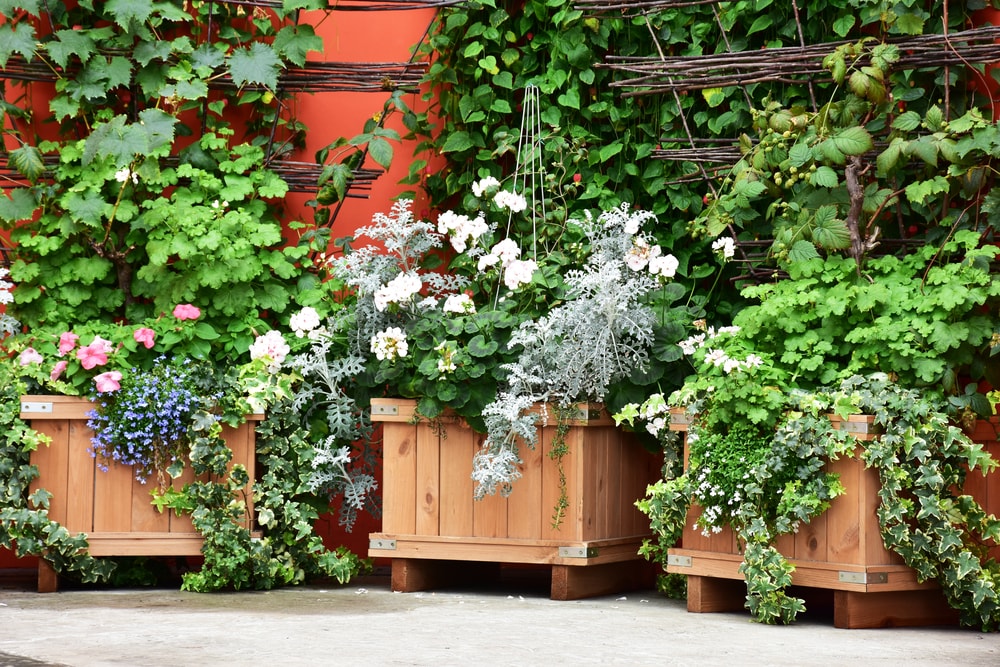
364 623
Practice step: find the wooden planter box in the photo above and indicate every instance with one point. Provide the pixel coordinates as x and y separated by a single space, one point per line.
112 508
430 516
840 551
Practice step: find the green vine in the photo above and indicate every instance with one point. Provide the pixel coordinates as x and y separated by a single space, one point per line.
286 550
779 483
558 448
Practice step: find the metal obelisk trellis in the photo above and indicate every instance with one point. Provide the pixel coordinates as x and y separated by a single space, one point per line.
529 171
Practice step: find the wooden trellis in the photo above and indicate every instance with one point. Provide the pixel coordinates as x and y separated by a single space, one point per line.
353 5
316 76
633 8
655 75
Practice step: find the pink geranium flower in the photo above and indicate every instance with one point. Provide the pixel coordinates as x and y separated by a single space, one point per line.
93 355
185 311
58 369
29 356
67 342
110 381
145 336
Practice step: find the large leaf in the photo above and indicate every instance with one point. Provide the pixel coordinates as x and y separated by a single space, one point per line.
27 159
18 38
295 41
129 13
853 141
67 43
828 231
257 65
18 205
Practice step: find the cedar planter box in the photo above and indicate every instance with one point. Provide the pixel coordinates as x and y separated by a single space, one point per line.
840 551
430 517
112 508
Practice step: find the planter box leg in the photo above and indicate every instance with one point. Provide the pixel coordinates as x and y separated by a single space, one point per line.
711 594
48 580
416 574
891 609
574 582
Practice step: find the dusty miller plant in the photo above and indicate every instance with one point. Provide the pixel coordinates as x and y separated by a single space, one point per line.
601 334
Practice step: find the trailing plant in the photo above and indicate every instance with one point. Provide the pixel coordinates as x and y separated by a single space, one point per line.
288 551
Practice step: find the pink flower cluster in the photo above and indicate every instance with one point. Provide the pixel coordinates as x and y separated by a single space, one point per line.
96 353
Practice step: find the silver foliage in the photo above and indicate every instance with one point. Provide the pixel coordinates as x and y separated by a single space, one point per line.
598 336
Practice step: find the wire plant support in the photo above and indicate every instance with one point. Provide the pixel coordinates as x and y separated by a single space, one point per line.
529 171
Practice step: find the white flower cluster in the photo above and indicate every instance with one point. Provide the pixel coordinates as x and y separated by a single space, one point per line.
389 344
481 187
446 364
459 303
305 322
642 255
510 200
516 271
716 357
272 348
461 229
5 287
125 174
398 290
726 247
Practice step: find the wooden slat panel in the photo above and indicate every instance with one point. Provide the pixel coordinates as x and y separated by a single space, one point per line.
526 510
489 517
810 541
113 499
181 524
843 527
145 517
428 484
51 462
399 478
81 476
571 526
457 488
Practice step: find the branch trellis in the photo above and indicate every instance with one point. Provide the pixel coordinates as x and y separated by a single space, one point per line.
653 75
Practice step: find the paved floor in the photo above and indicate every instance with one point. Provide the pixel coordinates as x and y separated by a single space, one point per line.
366 624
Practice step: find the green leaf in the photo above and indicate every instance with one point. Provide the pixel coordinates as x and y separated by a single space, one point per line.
713 96
571 99
906 122
19 38
256 65
457 141
116 140
828 231
479 347
294 42
67 43
825 177
27 159
842 26
129 14
853 141
380 150
802 251
17 205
